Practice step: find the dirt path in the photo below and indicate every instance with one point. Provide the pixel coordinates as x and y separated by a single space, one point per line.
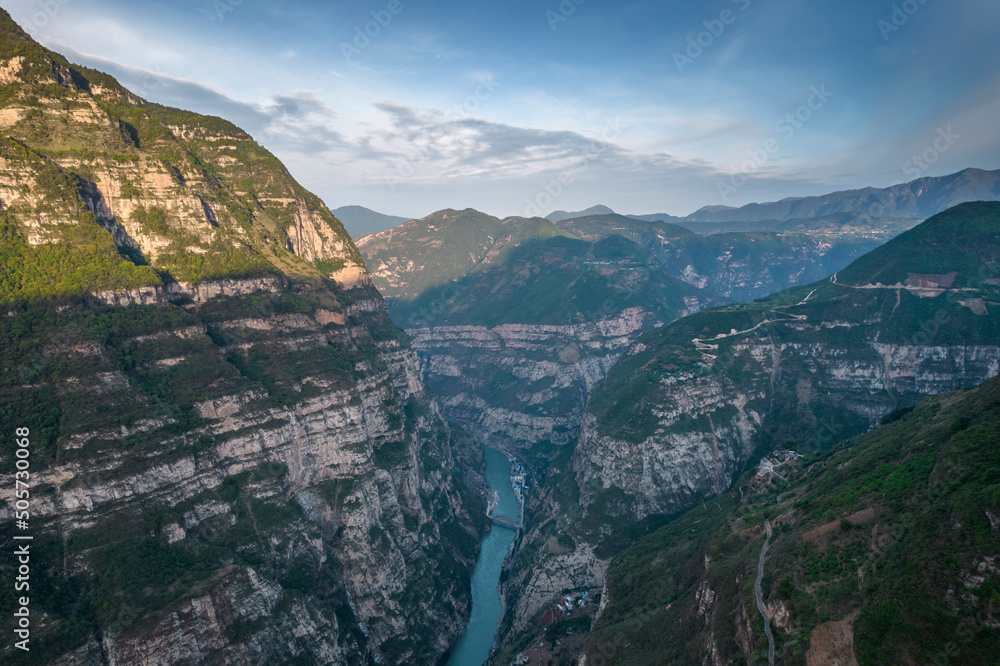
760 600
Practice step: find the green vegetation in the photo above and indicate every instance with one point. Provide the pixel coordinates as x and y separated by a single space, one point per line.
86 260
171 496
889 528
446 246
735 266
820 316
558 280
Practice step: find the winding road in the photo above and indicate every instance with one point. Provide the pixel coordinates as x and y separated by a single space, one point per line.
760 601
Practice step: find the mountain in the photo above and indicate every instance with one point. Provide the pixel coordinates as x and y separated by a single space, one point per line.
678 417
880 552
916 316
360 221
515 320
920 198
233 458
842 226
555 281
737 266
560 215
515 347
429 253
877 213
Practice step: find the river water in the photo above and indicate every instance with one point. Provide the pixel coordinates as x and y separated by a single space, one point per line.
473 648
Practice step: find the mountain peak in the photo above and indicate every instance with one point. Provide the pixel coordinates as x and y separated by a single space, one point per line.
560 215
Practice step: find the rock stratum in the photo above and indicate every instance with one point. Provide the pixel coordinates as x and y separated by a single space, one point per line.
233 456
681 413
882 551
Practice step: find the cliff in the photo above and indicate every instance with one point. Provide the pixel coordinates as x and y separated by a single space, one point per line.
233 456
679 416
880 551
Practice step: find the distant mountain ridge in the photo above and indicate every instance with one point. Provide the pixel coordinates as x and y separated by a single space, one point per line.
882 211
360 221
560 215
920 198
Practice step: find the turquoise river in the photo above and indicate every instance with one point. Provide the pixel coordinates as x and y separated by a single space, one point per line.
473 648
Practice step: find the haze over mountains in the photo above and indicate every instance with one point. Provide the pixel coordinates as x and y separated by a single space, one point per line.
878 213
360 221
255 440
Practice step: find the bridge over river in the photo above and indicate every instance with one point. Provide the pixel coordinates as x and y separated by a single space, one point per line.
506 520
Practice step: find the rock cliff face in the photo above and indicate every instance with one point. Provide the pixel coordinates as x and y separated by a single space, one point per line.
678 418
234 458
681 413
707 426
520 386
879 552
734 266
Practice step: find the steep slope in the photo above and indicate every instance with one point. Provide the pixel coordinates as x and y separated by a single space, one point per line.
883 552
737 266
682 412
360 221
677 418
516 349
233 458
410 260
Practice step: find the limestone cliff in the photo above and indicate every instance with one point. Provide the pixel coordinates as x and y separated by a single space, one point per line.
681 413
234 458
521 386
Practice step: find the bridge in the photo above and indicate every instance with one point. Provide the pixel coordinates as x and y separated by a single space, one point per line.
506 520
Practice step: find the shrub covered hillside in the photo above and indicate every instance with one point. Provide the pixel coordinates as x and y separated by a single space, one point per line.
884 550
233 459
143 192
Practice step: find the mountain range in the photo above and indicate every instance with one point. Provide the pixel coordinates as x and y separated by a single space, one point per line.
880 551
867 213
253 439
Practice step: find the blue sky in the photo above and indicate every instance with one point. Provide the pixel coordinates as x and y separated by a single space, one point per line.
525 107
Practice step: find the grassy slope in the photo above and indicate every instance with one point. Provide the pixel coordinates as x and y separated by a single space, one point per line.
932 479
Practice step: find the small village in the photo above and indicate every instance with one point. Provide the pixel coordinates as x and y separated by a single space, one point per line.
562 635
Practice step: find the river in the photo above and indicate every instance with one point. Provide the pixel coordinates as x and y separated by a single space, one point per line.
473 648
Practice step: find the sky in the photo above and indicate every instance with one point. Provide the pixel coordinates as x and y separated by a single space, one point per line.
524 107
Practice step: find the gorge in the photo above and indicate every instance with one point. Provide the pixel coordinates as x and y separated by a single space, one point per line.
467 439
